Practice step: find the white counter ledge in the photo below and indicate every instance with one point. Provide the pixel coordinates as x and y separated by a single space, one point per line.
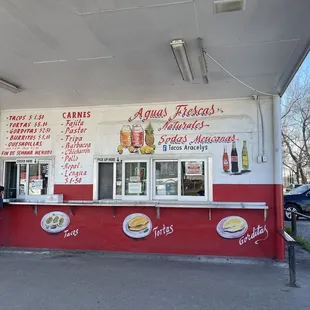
157 205
160 204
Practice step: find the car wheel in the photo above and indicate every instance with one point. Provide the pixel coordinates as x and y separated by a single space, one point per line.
290 207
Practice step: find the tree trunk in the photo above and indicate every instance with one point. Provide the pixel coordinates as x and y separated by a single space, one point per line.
303 176
297 175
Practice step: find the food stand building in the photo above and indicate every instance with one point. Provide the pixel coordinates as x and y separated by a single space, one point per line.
107 148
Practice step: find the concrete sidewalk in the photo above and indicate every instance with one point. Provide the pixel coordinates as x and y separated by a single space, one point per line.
79 282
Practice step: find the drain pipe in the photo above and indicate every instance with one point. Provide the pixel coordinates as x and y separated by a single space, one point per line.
278 177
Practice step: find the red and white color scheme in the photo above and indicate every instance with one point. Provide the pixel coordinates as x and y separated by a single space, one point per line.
115 139
219 140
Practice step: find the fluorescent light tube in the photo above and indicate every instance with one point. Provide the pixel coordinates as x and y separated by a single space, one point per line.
10 87
179 52
224 6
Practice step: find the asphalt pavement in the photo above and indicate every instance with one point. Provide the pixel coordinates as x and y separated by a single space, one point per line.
79 282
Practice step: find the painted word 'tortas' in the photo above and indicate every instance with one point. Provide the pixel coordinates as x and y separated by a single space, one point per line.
163 231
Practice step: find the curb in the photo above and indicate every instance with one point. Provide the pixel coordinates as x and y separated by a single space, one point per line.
163 257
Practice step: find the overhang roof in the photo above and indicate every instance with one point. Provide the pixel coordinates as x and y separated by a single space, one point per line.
96 52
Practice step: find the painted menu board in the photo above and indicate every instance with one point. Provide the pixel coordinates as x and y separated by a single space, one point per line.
76 147
228 131
221 130
26 134
65 135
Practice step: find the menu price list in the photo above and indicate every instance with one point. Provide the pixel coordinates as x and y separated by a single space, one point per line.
27 135
75 147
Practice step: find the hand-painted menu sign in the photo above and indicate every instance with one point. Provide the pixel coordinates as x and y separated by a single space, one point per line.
27 134
75 146
55 222
179 131
137 226
232 227
186 128
236 227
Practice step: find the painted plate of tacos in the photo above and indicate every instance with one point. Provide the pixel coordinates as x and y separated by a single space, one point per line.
55 222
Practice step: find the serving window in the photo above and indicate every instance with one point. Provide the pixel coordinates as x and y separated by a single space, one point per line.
135 180
166 179
180 179
193 178
23 180
154 179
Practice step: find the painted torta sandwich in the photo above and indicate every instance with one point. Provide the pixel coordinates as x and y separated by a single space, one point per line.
138 223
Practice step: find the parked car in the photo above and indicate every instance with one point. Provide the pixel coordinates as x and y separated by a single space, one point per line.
297 200
292 186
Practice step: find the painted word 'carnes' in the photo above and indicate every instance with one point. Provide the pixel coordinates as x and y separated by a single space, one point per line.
163 231
85 114
257 231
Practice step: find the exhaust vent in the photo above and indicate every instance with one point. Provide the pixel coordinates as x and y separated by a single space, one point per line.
224 6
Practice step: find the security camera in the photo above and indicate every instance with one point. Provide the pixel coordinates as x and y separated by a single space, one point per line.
254 97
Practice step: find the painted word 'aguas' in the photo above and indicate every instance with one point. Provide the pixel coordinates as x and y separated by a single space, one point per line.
181 110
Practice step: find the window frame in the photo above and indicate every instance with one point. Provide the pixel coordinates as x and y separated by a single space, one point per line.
146 197
97 162
179 198
50 187
151 177
164 197
193 198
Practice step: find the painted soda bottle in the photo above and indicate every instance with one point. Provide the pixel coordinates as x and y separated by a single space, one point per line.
225 160
234 158
245 157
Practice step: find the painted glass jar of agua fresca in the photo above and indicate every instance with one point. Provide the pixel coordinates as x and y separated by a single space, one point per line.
125 136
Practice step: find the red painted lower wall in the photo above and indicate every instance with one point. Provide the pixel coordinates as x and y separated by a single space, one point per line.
194 233
75 192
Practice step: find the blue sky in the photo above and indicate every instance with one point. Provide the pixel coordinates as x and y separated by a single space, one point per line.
305 66
306 62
